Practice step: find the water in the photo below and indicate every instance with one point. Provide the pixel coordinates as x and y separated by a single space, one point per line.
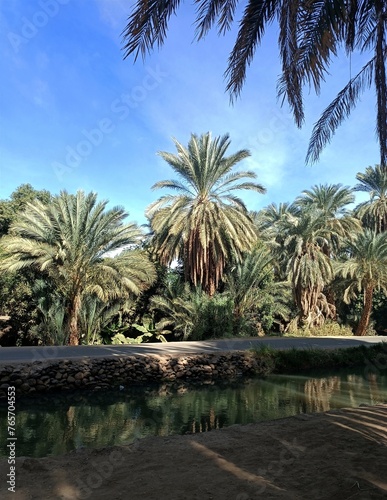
56 424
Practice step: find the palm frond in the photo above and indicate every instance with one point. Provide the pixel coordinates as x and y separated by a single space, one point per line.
339 109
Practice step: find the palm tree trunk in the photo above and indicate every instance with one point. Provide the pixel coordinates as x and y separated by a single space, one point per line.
366 314
73 320
211 287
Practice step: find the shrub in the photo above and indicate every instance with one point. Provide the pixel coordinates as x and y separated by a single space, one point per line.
326 330
215 318
297 360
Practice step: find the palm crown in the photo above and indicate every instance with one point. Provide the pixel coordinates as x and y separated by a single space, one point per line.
205 224
374 211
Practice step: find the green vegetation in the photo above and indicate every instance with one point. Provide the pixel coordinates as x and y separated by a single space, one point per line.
73 271
296 360
330 328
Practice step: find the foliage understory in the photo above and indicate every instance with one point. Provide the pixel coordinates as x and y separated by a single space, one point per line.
373 358
328 329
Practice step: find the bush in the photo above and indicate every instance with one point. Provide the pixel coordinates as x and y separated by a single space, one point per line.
297 360
214 319
326 330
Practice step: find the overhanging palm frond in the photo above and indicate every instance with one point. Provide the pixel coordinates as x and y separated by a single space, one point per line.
257 15
211 10
147 26
339 109
380 79
310 34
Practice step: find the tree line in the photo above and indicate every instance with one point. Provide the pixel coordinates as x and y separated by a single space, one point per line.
74 271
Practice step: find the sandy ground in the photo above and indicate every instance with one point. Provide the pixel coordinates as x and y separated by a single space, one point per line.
335 455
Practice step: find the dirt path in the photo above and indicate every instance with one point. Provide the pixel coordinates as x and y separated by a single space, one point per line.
27 354
336 455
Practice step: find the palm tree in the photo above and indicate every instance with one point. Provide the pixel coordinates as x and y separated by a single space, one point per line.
72 240
178 309
373 212
331 200
273 223
205 225
252 289
310 34
245 279
366 270
309 267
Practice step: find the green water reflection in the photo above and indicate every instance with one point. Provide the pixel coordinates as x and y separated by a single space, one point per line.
57 424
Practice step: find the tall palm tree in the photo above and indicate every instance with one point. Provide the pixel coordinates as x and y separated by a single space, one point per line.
373 212
366 270
309 267
205 225
72 239
331 200
310 34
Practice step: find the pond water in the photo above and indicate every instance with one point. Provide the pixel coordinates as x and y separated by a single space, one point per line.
56 424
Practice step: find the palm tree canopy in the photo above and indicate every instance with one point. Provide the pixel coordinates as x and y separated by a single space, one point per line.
70 237
331 201
274 215
374 211
310 35
367 262
205 223
330 198
306 237
73 239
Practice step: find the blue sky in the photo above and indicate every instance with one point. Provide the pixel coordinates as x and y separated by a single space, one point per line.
75 115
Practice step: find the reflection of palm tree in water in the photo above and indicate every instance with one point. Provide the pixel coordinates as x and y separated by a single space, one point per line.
376 395
318 393
206 423
68 434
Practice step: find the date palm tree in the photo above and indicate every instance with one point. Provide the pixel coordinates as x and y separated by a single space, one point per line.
331 200
366 270
205 225
72 239
310 35
309 268
373 212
